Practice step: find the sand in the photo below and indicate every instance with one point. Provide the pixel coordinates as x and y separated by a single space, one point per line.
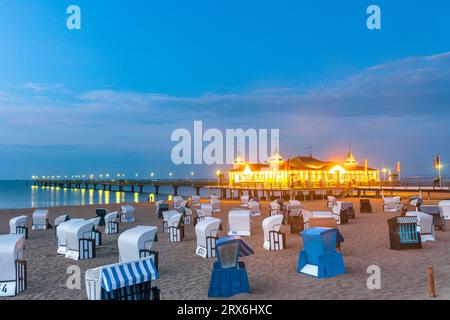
272 275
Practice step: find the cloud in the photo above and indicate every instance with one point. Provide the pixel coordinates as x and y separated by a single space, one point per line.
401 104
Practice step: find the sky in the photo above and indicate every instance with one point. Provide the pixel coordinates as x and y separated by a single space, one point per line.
106 98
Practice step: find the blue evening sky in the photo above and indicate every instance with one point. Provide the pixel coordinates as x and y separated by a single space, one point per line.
107 97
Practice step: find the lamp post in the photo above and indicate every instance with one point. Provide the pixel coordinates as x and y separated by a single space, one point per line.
192 177
152 175
170 176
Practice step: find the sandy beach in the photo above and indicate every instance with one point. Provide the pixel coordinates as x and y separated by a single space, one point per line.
272 275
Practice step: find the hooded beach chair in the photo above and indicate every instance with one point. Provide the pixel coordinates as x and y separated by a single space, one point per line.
19 225
365 206
445 206
130 280
438 216
319 257
111 224
206 232
176 201
347 208
188 216
61 234
403 233
137 243
166 216
274 239
215 204
293 218
127 214
80 240
195 201
229 275
392 204
239 222
13 270
96 233
424 225
275 208
40 220
339 213
244 200
161 207
254 207
331 201
59 220
175 227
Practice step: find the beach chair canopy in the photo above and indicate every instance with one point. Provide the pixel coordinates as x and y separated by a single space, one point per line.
95 222
424 220
432 209
445 206
111 217
391 199
203 212
127 210
331 198
214 197
133 240
195 199
208 227
40 217
11 249
61 231
272 223
239 222
61 219
274 205
168 214
121 275
230 248
319 241
20 221
76 231
174 220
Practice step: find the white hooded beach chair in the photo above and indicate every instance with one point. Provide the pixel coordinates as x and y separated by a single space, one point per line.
275 208
137 243
195 201
206 210
177 200
176 228
339 214
239 222
13 270
127 214
254 208
188 215
392 204
97 233
331 201
61 219
244 200
445 206
130 280
273 238
309 215
19 225
215 204
424 225
166 216
111 225
80 240
438 215
40 220
61 235
206 232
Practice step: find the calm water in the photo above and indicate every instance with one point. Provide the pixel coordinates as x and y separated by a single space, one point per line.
22 194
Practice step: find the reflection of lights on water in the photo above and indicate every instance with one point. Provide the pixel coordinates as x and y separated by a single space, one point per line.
91 196
151 198
107 194
83 193
136 197
117 197
100 196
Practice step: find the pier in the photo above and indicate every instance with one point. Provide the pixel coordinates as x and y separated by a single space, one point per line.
255 189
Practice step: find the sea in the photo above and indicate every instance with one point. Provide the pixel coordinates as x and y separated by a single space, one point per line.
21 194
